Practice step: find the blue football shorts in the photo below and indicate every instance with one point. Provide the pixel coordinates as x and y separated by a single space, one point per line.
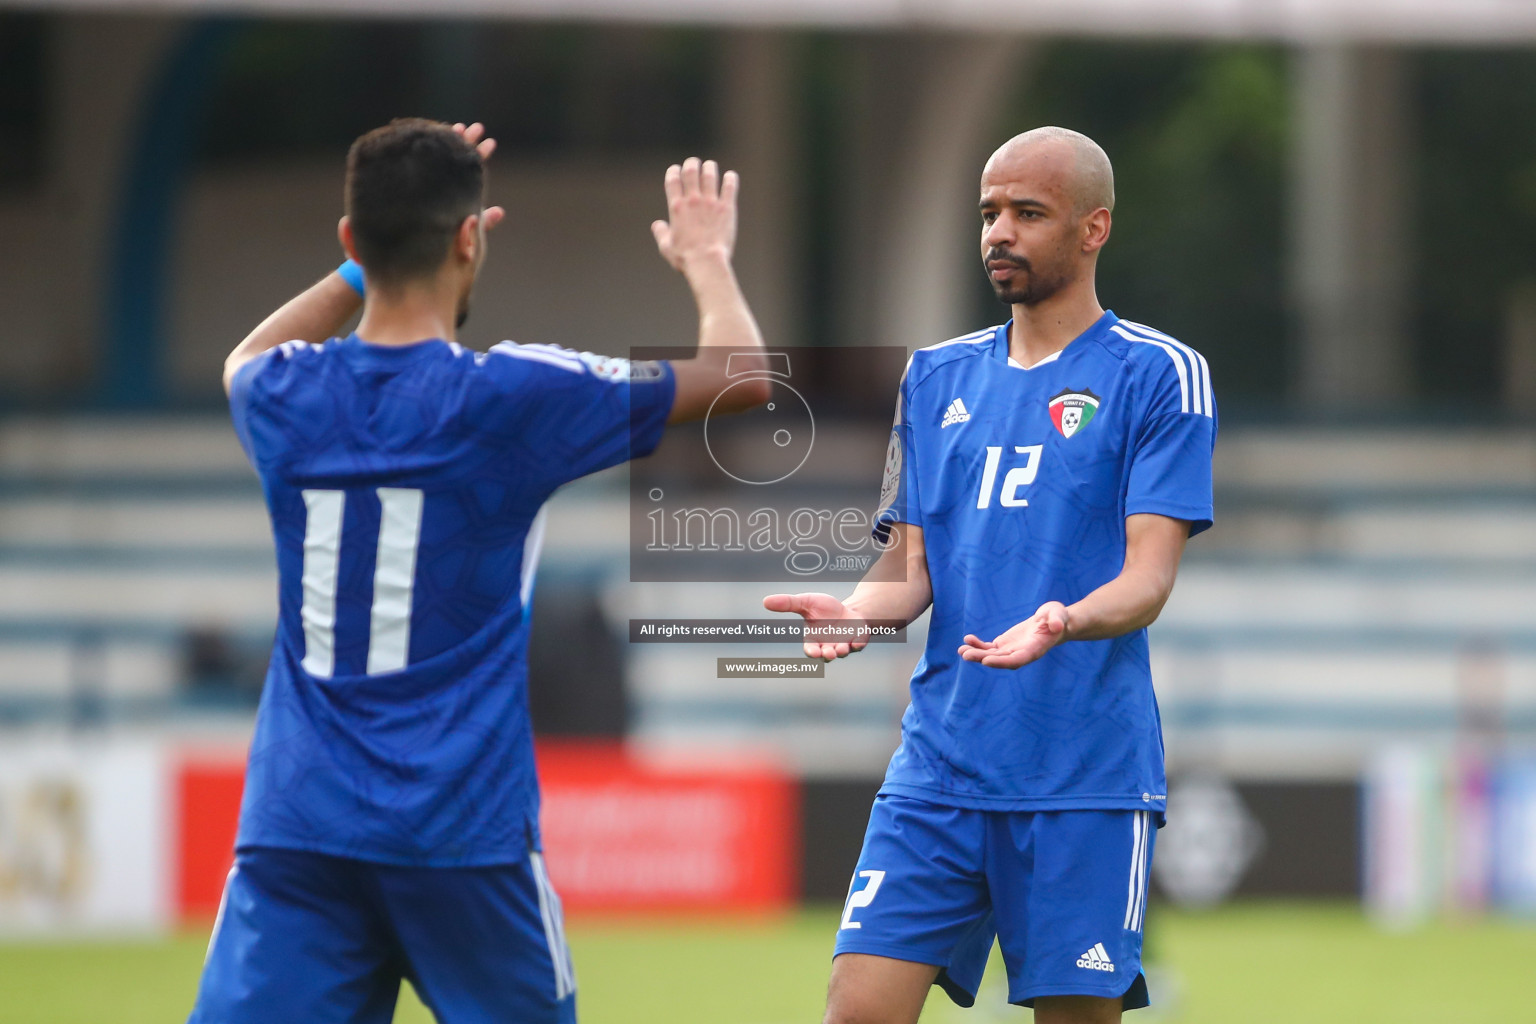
307 937
1064 892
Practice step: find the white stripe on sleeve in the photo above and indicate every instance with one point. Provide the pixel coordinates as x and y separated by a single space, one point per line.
539 354
1204 397
1173 354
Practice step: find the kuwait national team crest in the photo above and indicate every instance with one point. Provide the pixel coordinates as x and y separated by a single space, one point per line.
1072 411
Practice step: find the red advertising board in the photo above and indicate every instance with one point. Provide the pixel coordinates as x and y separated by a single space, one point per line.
622 835
207 808
619 835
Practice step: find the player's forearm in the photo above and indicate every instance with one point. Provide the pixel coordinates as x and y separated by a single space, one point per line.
894 602
728 332
712 381
1131 601
727 327
315 314
725 319
899 592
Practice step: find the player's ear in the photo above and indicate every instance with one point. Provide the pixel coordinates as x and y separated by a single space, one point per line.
466 242
1096 230
344 235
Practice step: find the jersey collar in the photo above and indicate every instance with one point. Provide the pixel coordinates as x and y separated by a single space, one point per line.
390 354
1000 341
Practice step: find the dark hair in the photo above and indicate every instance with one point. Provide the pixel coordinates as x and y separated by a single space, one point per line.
409 186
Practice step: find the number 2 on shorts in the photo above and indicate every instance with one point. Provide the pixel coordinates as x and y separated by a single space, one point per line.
863 897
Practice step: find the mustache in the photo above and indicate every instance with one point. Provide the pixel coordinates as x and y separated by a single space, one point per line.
1004 256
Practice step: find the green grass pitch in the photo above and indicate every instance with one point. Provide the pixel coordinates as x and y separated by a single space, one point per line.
1249 964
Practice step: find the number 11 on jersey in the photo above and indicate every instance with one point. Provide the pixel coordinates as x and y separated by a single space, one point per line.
394 575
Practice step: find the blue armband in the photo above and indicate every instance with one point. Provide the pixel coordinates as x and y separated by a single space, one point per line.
352 273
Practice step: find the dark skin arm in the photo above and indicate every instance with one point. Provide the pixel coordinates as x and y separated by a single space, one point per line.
1132 600
896 589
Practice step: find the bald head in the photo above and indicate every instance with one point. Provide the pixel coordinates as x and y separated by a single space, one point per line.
1045 205
1080 168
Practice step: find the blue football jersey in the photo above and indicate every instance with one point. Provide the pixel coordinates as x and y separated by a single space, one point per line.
1021 480
405 487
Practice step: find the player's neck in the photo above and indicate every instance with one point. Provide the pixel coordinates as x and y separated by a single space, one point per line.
1045 328
410 314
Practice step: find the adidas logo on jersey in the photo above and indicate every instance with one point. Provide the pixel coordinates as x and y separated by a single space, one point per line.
954 414
1096 959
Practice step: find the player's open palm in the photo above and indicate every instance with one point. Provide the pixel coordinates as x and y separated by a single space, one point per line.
701 213
821 610
1022 644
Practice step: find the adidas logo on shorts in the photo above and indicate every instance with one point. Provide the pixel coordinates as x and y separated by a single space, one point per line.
956 413
1096 959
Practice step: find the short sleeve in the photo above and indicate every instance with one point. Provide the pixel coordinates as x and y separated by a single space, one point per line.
240 404
898 484
1171 461
246 389
592 411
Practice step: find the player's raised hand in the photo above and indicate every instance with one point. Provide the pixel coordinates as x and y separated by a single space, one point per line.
1022 644
475 135
816 610
701 213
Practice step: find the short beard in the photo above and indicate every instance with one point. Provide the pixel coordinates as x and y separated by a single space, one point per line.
1036 287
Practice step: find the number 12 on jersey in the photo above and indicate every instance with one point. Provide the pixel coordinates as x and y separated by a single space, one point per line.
394 575
1023 476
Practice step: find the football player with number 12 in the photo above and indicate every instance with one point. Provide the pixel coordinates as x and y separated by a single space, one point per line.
1042 479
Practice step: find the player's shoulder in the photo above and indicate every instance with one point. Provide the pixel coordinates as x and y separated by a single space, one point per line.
297 349
283 367
1147 348
1163 361
925 361
556 360
294 353
507 354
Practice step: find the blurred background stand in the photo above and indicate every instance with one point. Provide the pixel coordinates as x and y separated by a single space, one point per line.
1328 199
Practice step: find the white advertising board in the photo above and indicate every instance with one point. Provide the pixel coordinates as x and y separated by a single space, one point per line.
84 837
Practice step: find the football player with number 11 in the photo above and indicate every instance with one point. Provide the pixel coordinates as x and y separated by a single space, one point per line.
1042 480
390 823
